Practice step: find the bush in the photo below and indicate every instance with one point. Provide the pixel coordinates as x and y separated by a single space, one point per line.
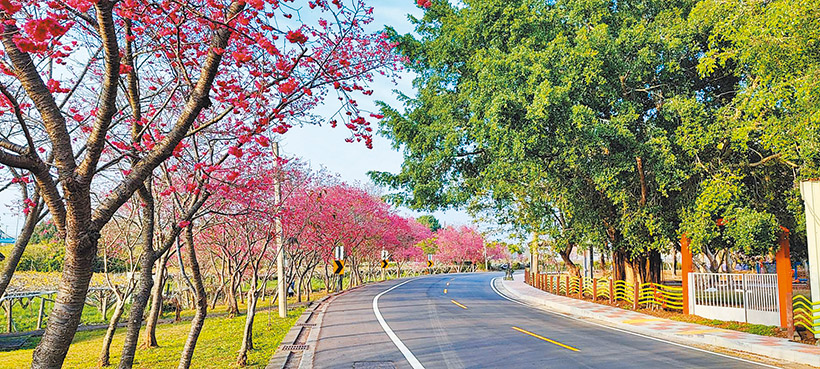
49 256
42 257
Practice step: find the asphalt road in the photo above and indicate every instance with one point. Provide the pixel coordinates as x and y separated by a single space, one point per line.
471 326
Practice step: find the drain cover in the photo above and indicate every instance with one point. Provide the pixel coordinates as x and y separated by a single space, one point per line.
294 347
374 365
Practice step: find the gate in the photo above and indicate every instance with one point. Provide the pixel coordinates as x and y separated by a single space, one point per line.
750 298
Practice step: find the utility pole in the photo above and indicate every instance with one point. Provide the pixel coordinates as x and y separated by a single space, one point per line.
280 256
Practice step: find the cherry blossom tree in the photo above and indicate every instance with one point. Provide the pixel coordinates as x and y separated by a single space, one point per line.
92 86
402 241
459 244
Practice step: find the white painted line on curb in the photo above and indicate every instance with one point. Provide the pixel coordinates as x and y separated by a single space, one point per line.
414 363
492 285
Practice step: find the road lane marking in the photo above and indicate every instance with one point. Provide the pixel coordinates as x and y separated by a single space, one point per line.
448 283
459 305
445 291
411 359
492 285
546 339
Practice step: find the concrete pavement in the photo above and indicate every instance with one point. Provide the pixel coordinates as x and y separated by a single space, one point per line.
460 321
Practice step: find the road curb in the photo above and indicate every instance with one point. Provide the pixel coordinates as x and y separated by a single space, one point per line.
301 333
693 340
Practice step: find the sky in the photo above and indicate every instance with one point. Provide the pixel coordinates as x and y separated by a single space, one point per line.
323 146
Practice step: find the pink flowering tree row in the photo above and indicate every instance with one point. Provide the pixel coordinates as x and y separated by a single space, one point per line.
99 94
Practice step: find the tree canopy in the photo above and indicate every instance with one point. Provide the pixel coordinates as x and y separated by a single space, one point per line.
617 125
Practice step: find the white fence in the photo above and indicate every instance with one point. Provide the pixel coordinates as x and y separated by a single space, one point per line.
750 298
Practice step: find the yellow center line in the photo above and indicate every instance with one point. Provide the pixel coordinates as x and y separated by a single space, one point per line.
448 283
457 304
546 339
445 291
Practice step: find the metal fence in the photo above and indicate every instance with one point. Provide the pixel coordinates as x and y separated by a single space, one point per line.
751 298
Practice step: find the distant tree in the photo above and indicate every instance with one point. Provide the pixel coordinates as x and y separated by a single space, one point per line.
430 221
44 232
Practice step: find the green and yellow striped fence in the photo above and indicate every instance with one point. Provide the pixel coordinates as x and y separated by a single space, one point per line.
652 295
806 313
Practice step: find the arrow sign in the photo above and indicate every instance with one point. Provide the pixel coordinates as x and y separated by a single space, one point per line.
338 266
384 263
429 263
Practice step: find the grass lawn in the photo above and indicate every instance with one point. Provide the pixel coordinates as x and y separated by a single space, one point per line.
25 318
217 346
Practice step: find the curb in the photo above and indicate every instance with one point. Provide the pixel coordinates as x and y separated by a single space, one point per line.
791 356
305 332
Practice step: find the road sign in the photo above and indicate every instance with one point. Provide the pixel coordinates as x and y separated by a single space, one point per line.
384 263
385 254
339 252
338 266
429 263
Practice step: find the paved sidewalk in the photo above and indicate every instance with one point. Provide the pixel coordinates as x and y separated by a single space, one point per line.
675 331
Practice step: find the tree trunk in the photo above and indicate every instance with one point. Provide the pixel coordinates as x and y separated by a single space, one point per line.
81 248
638 264
150 338
201 302
573 269
109 333
146 280
654 267
247 333
299 289
619 265
230 297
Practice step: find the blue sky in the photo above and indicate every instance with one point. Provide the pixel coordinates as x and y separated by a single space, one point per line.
323 146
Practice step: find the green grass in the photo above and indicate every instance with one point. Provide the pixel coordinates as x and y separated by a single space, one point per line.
25 318
759 329
217 346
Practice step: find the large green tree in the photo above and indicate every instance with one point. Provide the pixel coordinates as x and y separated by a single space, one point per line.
592 122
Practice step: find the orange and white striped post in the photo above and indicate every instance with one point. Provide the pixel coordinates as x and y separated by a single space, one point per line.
594 289
566 291
784 282
580 287
611 290
686 268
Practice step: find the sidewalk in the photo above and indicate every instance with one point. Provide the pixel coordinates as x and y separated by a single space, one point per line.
675 331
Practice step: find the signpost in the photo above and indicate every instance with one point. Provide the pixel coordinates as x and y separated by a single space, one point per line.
385 256
430 262
338 267
339 263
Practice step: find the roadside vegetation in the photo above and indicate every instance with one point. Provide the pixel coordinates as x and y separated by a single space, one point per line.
219 342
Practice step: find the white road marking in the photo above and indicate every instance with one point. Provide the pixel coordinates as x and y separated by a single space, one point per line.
492 285
411 359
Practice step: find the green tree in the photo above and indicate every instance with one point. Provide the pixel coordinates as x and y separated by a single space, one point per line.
429 221
753 149
554 112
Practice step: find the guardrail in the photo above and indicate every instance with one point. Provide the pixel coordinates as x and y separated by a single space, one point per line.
647 295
